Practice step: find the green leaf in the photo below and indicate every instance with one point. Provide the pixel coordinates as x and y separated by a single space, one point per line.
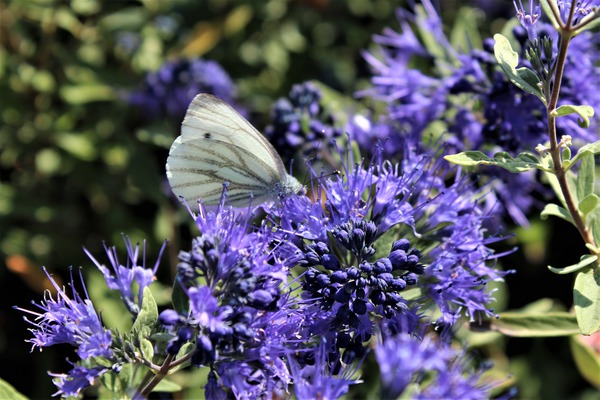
585 112
147 349
413 293
571 181
588 204
7 391
385 241
524 161
547 324
584 261
167 386
148 315
118 382
77 145
595 225
557 211
586 297
548 12
183 351
586 359
585 176
591 148
180 299
523 78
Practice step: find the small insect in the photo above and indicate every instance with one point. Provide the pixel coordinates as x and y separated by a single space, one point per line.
218 145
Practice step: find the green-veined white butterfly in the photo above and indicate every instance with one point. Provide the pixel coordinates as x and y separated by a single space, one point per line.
218 145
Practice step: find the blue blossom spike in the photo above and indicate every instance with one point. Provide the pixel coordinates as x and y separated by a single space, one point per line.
79 378
528 18
403 359
134 270
69 320
238 309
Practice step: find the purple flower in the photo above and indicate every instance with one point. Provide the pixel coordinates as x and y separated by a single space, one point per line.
300 122
131 272
352 280
237 307
76 380
169 91
528 18
321 379
480 107
455 279
73 321
582 9
404 359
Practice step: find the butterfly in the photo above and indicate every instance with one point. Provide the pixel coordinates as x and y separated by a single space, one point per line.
219 145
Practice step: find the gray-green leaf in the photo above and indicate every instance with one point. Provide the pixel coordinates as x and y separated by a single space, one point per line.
586 297
583 262
508 59
588 204
148 315
523 162
536 324
557 211
585 112
590 148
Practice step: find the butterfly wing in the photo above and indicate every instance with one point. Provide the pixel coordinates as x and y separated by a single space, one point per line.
218 145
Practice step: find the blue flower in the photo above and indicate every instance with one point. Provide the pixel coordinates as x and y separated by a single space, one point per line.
480 107
169 91
528 18
321 379
241 319
69 320
582 8
405 359
79 378
300 122
130 272
350 280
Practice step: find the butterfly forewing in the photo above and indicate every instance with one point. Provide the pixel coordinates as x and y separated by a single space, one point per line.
210 116
218 145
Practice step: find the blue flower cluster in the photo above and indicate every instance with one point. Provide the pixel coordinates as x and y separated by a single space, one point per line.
376 252
169 91
300 122
480 107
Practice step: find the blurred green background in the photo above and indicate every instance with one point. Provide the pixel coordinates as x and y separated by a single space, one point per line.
79 165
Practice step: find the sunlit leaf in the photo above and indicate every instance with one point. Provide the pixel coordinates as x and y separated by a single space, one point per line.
523 162
585 112
584 262
508 59
586 298
522 324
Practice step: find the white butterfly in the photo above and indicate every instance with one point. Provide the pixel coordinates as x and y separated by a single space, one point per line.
218 145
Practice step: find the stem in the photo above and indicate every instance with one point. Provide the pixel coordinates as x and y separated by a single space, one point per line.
162 372
555 152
